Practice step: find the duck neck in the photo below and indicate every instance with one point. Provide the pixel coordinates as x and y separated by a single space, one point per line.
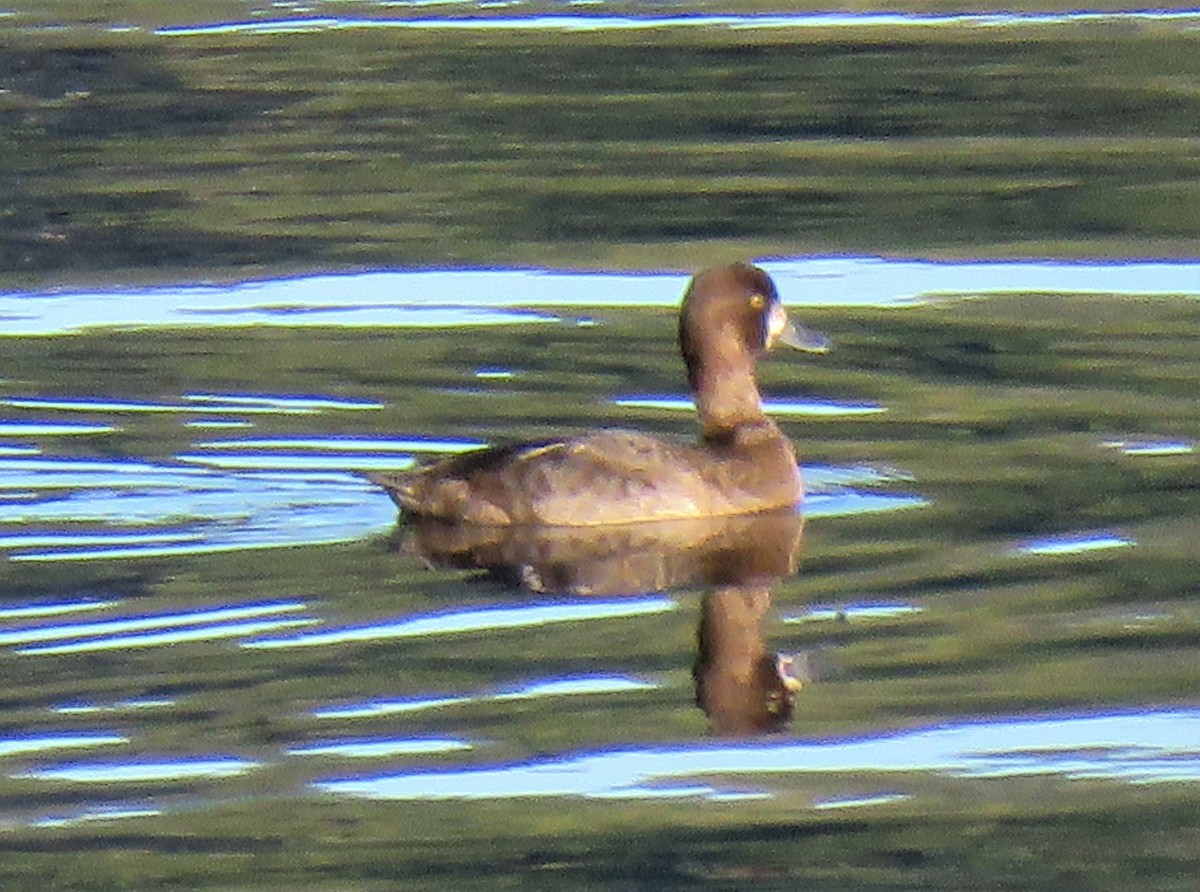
727 399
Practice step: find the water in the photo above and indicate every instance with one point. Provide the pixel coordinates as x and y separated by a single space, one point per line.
971 662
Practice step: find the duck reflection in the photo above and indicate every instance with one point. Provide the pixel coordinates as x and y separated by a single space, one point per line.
741 685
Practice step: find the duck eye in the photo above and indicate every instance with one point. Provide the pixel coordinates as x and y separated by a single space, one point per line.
757 301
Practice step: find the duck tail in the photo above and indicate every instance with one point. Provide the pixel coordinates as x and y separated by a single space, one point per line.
401 487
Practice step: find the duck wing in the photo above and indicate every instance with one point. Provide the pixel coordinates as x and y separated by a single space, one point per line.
603 477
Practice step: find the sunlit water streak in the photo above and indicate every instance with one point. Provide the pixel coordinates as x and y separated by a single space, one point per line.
838 802
867 610
50 428
131 641
1135 747
380 445
1151 447
566 686
1074 543
135 705
97 813
55 608
34 743
166 769
477 619
773 406
140 508
301 461
602 22
853 502
378 747
193 403
574 685
420 297
218 423
374 708
141 622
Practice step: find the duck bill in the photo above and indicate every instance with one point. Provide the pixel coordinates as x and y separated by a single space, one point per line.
782 330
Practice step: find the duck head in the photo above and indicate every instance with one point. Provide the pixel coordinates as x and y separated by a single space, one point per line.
730 316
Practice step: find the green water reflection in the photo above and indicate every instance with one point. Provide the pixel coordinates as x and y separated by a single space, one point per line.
364 147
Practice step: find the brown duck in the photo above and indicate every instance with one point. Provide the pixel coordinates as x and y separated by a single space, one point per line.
742 464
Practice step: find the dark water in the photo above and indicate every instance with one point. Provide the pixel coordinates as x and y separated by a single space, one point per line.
972 663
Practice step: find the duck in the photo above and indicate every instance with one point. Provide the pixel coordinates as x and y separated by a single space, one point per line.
742 463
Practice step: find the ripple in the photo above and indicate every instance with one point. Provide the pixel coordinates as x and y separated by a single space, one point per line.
799 407
852 502
837 802
572 685
1151 447
247 402
135 705
33 743
865 610
92 509
213 632
495 296
316 453
1075 543
481 619
96 813
594 22
141 622
142 771
1135 747
377 747
373 708
49 428
351 444
218 423
52 608
301 461
831 477
202 403
563 686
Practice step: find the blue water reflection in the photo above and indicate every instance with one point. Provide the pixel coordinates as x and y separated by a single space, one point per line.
487 297
1075 543
380 747
850 502
807 407
1135 747
96 813
1151 447
476 619
565 686
339 445
375 708
837 802
137 771
141 509
857 611
50 428
52 608
106 627
21 745
134 705
602 22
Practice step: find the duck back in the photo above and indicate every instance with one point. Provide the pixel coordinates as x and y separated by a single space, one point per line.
605 477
